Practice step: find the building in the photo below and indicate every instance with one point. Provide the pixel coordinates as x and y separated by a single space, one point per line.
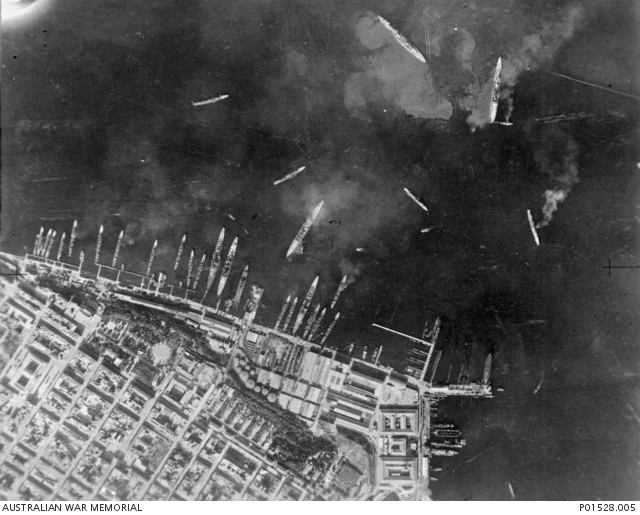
399 420
394 470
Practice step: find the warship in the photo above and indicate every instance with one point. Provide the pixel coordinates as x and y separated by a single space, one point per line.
61 248
282 312
199 272
50 246
533 227
402 40
289 175
153 255
215 263
310 322
326 335
289 315
240 288
415 199
317 324
341 288
495 91
117 252
72 239
304 230
190 268
99 245
209 101
305 305
180 250
226 269
43 247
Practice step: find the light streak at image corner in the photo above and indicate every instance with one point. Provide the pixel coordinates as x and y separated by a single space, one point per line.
20 10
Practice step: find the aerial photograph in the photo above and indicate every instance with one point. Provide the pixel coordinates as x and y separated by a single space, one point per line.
320 250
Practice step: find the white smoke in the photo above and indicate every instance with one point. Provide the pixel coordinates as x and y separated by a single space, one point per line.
551 205
564 172
507 114
531 51
351 270
389 75
541 46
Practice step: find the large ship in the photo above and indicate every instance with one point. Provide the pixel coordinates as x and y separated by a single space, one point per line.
115 254
226 269
215 260
487 369
317 323
190 268
443 452
495 91
53 238
289 315
199 272
304 230
289 175
43 246
60 249
402 40
180 250
240 289
99 244
252 304
38 246
326 335
305 305
209 100
153 255
341 288
533 227
310 321
282 312
416 200
72 239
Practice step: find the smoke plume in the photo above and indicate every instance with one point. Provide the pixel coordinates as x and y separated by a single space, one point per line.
551 205
557 156
540 46
351 270
544 35
391 76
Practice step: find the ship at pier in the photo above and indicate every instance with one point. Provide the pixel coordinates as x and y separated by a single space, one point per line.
226 269
304 230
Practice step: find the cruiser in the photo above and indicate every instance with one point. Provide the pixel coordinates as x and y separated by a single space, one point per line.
226 269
